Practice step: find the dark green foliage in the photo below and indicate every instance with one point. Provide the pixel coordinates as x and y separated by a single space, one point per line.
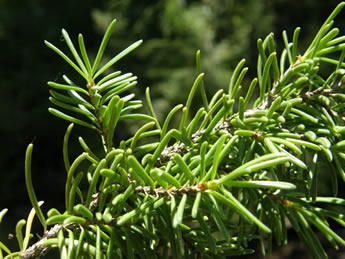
236 169
172 30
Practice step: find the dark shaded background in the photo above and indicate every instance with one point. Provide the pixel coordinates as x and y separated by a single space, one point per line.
224 30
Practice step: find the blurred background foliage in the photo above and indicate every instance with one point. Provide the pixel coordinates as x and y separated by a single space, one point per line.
173 30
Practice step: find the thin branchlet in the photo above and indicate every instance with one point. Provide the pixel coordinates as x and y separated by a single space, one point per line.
181 148
38 249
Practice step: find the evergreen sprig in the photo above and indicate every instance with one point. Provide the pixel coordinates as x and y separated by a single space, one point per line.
237 170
